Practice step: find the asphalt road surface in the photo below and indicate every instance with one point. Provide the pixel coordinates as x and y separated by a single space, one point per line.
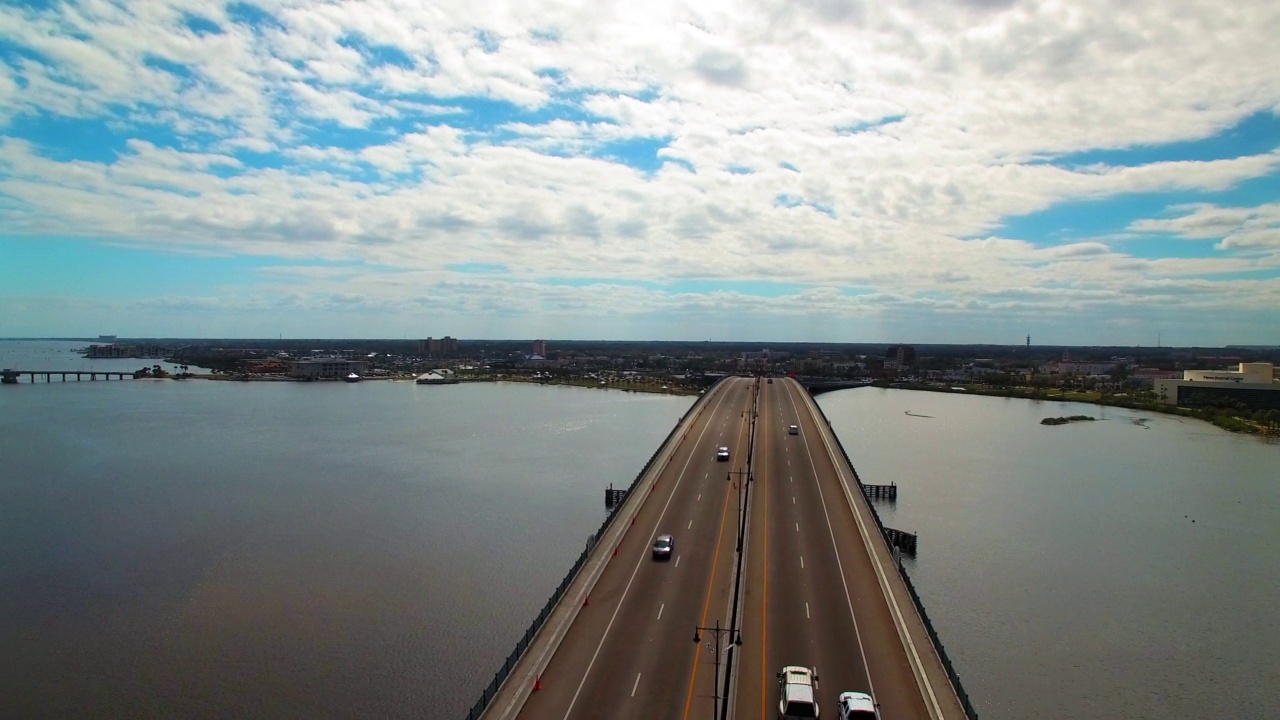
812 594
630 653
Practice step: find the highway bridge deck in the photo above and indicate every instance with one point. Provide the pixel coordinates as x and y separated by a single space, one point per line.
816 585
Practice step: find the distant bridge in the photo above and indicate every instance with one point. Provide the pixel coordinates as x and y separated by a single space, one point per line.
10 377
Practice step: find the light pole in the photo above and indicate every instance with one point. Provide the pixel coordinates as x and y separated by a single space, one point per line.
743 477
718 631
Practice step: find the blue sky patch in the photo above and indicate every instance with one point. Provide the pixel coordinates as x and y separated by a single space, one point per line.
167 65
1081 220
491 42
201 25
856 128
76 267
252 16
639 153
377 55
478 268
1254 135
793 201
65 139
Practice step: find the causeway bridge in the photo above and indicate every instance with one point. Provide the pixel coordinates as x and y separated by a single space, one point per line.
11 377
779 560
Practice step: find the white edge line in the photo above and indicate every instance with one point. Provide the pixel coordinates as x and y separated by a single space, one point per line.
605 635
917 666
558 634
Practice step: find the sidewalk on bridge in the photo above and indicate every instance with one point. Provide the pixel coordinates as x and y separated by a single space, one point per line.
940 696
515 690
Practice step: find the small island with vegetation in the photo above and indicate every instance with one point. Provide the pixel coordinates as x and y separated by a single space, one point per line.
1065 420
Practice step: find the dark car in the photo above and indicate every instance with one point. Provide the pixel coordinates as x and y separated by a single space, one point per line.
663 546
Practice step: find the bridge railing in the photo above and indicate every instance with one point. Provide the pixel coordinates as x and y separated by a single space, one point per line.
969 711
487 695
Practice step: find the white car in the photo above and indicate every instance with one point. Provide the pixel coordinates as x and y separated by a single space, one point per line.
722 453
856 706
795 693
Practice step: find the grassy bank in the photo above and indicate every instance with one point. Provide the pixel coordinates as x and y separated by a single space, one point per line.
1225 418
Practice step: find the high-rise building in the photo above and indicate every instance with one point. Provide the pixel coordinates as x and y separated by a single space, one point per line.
540 348
438 347
901 355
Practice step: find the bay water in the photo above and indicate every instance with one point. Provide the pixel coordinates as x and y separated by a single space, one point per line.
216 549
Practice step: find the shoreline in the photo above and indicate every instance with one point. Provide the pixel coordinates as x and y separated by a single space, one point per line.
585 383
1230 423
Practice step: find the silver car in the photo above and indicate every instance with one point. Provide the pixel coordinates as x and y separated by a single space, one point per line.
663 546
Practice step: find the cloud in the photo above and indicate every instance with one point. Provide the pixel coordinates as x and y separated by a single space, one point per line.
830 144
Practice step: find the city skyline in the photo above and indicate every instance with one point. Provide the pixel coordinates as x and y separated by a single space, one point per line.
958 172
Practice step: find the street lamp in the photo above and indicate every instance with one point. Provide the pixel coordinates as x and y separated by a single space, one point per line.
718 631
741 482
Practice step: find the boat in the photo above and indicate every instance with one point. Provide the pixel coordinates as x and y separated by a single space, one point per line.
352 377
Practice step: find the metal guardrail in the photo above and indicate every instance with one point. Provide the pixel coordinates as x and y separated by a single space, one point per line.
501 675
969 710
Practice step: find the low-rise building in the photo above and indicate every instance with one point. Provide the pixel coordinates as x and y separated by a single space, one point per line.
324 368
1147 377
1253 385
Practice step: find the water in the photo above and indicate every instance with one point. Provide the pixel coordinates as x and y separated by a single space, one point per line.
1061 565
223 549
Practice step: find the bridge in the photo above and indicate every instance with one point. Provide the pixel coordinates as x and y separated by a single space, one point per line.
10 377
779 559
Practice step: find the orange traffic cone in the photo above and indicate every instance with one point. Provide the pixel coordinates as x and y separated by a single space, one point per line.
537 683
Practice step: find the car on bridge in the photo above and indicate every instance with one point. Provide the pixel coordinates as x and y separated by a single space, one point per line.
796 685
663 546
722 453
856 706
793 429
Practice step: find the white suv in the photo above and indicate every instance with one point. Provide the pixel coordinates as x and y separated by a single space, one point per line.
722 453
856 706
795 693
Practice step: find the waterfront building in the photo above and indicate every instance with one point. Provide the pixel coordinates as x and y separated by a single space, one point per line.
437 377
1252 385
1073 367
321 368
1147 377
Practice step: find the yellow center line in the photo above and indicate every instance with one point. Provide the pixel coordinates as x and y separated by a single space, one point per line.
715 564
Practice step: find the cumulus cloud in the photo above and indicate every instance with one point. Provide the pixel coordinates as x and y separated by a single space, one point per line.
828 143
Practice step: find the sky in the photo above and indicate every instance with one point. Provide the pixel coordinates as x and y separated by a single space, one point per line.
932 171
